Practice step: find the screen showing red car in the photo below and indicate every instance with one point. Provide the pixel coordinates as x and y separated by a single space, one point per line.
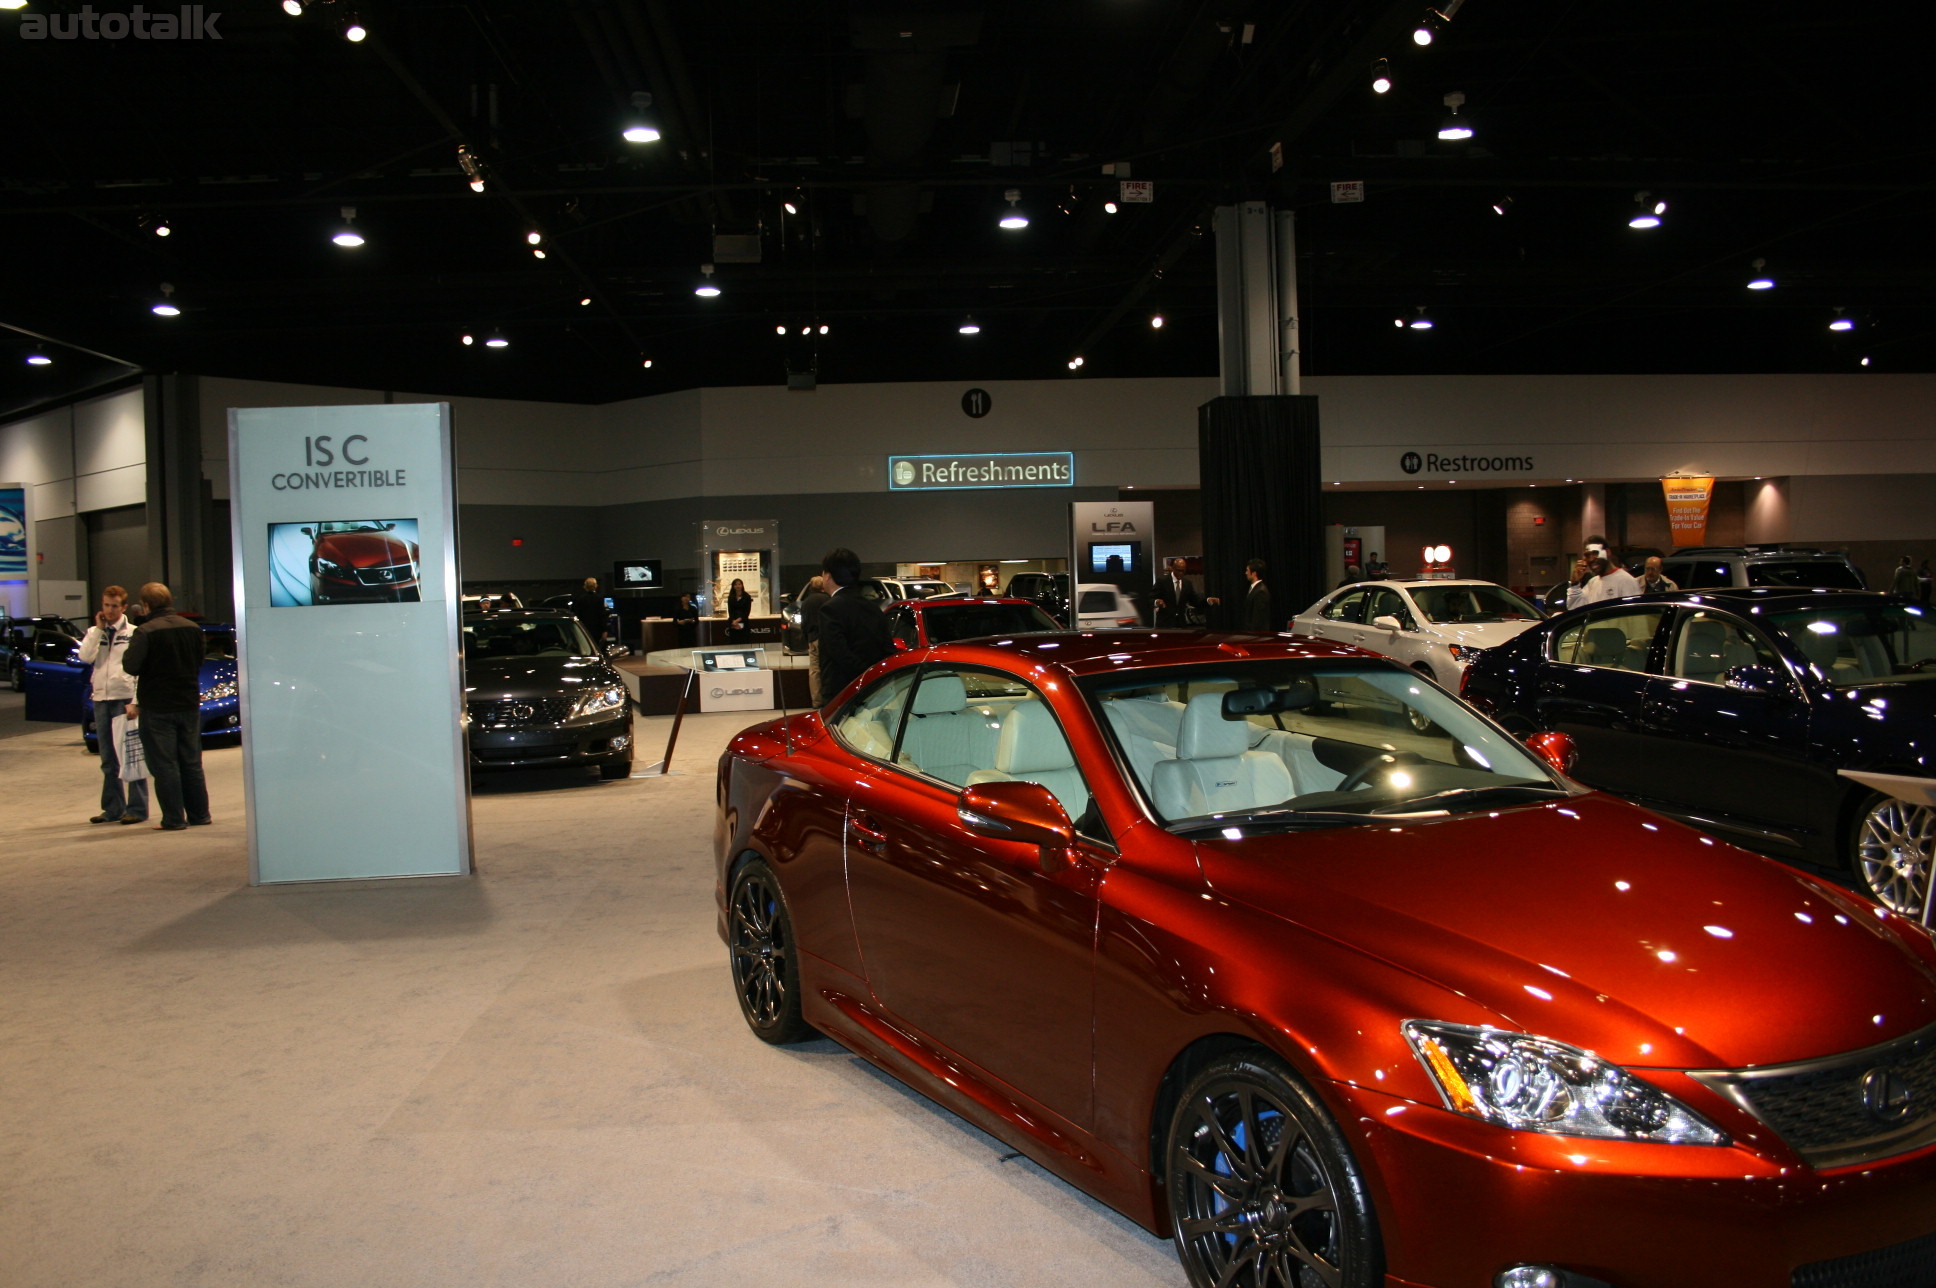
344 561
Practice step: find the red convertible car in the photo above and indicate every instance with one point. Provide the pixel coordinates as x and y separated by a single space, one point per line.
362 562
1286 953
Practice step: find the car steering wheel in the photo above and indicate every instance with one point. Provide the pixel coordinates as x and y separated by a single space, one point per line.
1384 760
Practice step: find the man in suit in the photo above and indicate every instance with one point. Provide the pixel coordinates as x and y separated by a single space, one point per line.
853 630
1257 600
1175 598
588 606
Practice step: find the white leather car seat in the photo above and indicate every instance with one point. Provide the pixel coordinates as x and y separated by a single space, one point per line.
1146 726
945 738
1032 750
1215 772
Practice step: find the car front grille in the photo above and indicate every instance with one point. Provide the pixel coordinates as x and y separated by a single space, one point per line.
390 576
511 712
1905 1265
1833 1111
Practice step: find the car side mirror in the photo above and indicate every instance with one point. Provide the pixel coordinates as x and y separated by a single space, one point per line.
1556 749
1754 679
389 527
617 651
1017 811
309 532
900 645
1386 622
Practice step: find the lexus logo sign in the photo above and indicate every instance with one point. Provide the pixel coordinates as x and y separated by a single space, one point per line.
1886 1096
1411 462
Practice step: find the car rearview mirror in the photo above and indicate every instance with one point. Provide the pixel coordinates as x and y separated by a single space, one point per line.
1019 811
1556 749
1386 622
1295 696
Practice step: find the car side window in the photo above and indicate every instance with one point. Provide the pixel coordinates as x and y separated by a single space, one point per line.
901 627
1389 603
1618 640
969 726
1706 574
1707 646
1347 608
872 721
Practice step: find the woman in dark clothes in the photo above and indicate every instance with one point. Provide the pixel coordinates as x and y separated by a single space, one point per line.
739 607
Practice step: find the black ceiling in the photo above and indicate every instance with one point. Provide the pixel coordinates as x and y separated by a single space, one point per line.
1781 131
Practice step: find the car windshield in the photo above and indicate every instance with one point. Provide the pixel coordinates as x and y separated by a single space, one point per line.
218 646
1292 743
494 637
361 525
1447 605
1832 574
1097 601
971 619
1865 644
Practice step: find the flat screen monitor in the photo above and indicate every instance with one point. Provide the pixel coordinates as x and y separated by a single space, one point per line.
638 574
1130 552
344 561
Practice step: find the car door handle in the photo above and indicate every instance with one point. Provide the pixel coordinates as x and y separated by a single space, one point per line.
869 836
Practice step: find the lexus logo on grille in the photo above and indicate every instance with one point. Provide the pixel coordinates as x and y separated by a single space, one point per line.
523 711
1887 1097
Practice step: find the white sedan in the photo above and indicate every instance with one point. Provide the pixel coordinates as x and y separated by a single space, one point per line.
1437 627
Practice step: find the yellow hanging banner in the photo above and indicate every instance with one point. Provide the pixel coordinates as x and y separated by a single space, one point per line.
1687 502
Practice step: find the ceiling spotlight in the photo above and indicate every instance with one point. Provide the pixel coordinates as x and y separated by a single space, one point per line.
163 228
1865 362
39 359
1014 219
537 252
823 328
780 329
467 339
1381 76
472 171
1075 362
1110 207
789 207
646 363
1647 211
496 340
806 330
355 32
1455 126
533 238
1761 280
1840 323
294 8
1502 205
969 326
640 127
1422 35
1418 322
347 234
167 308
585 303
13 4
1156 321
708 289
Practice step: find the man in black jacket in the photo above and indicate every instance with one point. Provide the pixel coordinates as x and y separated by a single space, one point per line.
1257 600
588 606
1176 598
853 630
165 657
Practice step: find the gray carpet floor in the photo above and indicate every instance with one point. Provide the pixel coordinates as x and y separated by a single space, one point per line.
533 1077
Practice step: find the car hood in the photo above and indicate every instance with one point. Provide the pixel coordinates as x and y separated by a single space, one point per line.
365 549
1596 923
1481 634
532 677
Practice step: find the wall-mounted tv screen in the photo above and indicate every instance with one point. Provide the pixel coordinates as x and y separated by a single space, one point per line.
638 574
1130 552
344 561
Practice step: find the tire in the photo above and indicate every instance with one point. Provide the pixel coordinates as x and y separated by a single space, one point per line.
17 676
1294 1213
1891 850
766 969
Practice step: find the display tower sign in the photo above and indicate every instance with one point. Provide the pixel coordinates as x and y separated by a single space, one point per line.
347 607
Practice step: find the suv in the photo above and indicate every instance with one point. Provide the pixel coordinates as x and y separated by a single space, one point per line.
1048 591
1803 567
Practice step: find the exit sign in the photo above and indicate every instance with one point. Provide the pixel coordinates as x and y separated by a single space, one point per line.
1136 190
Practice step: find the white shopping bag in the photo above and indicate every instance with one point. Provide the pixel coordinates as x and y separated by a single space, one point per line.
127 740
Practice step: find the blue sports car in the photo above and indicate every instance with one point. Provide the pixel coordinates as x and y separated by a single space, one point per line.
58 688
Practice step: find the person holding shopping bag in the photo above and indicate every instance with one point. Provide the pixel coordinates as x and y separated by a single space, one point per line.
104 647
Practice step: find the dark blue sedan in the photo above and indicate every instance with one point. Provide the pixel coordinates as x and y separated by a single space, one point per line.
58 687
1738 711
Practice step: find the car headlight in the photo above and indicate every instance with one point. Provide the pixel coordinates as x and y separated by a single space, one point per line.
596 701
1463 652
334 571
226 689
1529 1083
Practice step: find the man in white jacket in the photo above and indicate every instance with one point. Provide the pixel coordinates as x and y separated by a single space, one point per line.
103 647
1609 581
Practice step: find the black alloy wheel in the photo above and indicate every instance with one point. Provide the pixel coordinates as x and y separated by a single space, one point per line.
1263 1190
1892 849
766 972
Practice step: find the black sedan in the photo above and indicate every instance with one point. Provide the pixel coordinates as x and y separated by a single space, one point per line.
1739 711
539 694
